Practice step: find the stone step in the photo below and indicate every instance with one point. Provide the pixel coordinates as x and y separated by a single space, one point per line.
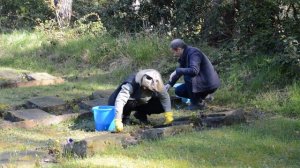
27 114
50 104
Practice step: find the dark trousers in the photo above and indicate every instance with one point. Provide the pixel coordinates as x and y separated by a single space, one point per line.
153 106
185 90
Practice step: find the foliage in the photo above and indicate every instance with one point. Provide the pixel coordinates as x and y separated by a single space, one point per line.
289 60
15 14
89 24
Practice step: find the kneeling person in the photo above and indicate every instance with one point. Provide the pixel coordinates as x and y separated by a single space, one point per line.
144 93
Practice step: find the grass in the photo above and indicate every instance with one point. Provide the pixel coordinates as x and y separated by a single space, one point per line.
83 86
62 53
264 143
285 101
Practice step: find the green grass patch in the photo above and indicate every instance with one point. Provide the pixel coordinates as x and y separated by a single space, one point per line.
285 101
264 143
63 53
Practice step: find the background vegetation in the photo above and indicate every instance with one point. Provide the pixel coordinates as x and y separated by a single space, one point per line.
253 45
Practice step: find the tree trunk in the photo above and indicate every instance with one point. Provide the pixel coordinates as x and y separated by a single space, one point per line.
63 9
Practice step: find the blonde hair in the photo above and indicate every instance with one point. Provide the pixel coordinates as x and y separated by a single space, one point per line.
151 79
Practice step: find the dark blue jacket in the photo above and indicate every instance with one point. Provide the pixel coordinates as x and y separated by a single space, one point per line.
197 69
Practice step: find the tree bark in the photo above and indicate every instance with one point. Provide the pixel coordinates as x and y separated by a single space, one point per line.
63 9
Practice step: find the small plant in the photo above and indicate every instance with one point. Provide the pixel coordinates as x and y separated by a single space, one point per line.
3 109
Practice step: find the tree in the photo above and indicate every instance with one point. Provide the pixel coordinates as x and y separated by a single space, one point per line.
63 9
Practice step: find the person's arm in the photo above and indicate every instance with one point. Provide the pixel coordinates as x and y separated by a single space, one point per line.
193 67
122 98
166 103
165 100
173 79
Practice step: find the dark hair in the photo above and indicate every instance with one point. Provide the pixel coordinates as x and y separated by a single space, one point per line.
177 43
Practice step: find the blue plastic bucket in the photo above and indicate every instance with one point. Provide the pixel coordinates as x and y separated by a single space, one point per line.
184 100
104 118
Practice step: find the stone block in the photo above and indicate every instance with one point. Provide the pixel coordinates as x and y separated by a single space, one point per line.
96 144
223 118
158 133
49 104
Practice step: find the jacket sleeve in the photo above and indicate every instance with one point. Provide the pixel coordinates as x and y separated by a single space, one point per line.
174 79
122 98
165 100
193 66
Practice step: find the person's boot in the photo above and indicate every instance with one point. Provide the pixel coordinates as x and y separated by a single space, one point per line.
141 117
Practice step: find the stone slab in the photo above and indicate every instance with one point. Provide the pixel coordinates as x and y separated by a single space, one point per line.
43 82
101 94
27 114
41 76
49 104
96 144
10 74
11 78
20 158
158 133
87 105
41 122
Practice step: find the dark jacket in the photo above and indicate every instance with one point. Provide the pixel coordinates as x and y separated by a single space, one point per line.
136 87
197 69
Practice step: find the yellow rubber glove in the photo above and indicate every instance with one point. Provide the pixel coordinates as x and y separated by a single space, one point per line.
168 118
119 125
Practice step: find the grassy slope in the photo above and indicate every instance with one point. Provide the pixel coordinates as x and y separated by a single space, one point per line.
266 143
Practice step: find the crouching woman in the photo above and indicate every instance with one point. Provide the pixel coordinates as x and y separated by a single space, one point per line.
143 93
